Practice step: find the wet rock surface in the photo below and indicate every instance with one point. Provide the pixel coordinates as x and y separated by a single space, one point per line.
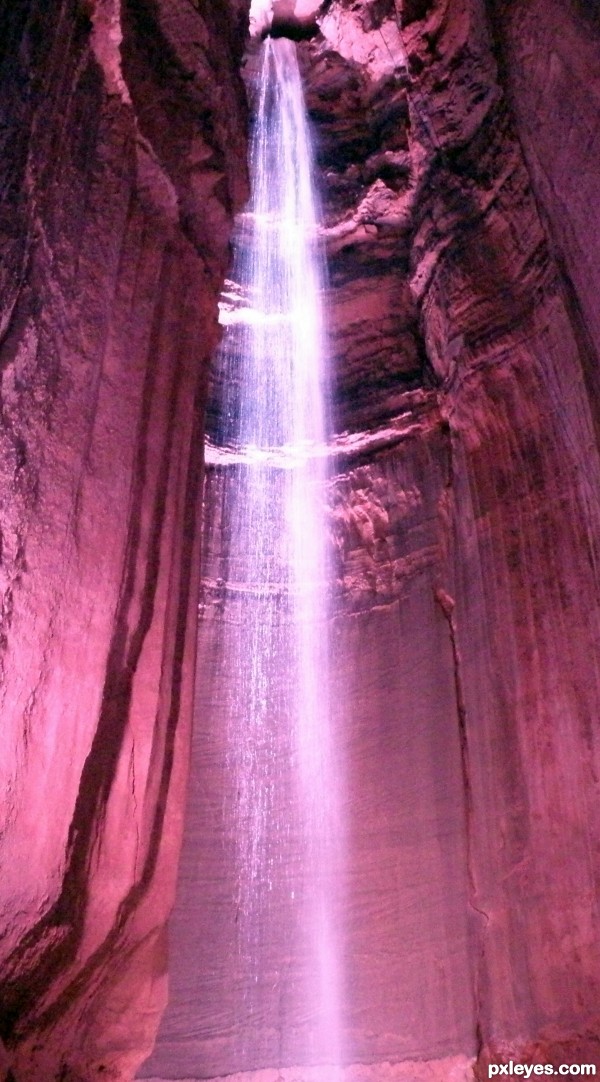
108 318
455 1069
463 527
457 147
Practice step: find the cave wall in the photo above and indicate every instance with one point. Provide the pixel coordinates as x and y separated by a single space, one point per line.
503 303
120 175
550 67
464 519
457 157
400 892
506 335
520 534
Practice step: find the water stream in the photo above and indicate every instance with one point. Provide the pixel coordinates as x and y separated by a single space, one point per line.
270 439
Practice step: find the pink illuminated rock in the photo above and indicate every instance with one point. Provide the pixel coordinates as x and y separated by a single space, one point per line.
464 528
458 160
455 1069
121 176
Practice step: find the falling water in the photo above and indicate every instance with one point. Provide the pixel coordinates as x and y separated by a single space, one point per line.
271 439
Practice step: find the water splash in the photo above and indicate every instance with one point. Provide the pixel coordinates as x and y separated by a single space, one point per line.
273 425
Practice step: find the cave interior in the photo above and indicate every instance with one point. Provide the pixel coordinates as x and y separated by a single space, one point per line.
457 151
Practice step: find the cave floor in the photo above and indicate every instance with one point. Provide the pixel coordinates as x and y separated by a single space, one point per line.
451 1069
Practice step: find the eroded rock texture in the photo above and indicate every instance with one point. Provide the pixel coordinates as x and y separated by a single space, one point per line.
502 321
122 163
457 144
518 535
465 528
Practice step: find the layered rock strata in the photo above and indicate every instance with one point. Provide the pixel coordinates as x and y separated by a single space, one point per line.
464 529
455 139
122 165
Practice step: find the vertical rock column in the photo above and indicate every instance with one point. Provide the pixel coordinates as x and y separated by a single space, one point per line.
121 168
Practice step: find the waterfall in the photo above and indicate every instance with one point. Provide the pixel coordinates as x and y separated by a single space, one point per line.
270 440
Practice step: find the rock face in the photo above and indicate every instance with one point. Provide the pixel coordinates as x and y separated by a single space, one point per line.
508 341
120 178
465 528
457 143
549 60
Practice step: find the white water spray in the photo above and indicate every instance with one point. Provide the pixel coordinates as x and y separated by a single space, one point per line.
272 434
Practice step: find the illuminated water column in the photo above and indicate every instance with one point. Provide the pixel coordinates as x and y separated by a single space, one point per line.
285 792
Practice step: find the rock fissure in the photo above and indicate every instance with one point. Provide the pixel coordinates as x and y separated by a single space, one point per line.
447 607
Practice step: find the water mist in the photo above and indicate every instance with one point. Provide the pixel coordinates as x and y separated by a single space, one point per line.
285 794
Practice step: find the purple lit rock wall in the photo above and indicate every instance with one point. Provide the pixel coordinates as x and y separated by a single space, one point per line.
116 118
458 162
464 518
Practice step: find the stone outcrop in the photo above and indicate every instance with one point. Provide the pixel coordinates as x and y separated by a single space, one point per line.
122 164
